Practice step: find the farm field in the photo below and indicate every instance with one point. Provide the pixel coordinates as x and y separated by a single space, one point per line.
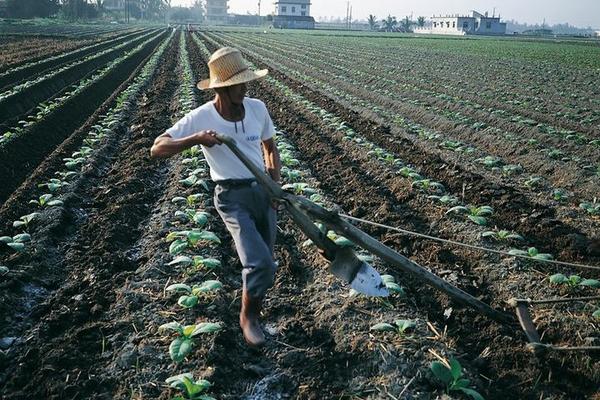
490 142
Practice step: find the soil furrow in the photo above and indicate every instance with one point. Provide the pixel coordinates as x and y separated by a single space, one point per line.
69 341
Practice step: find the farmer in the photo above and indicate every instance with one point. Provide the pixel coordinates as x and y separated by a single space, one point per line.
244 206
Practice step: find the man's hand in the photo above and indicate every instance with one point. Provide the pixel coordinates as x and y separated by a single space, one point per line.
207 138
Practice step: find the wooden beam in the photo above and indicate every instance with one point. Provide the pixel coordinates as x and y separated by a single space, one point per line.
390 256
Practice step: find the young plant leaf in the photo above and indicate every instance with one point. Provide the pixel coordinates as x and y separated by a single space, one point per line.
187 301
179 287
383 327
178 246
179 348
441 372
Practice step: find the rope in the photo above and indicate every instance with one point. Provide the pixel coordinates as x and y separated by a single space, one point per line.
552 301
469 246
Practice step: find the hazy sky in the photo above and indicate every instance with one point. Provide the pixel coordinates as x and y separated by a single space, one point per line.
576 12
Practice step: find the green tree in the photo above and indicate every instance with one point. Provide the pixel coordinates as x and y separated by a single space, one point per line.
421 21
389 24
405 24
31 8
373 22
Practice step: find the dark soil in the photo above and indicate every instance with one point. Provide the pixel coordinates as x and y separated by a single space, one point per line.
27 150
86 304
96 253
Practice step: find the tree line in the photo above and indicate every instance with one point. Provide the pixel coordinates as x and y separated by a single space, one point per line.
391 24
85 9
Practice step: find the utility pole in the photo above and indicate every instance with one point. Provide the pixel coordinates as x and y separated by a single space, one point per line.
259 8
347 12
350 19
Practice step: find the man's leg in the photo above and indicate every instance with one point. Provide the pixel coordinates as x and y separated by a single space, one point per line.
255 255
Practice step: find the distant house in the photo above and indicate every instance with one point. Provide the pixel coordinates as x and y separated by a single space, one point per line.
476 24
216 11
597 34
293 14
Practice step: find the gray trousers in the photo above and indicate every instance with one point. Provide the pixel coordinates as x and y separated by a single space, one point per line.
252 222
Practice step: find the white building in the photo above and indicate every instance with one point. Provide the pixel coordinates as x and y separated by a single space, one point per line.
293 14
598 34
476 24
216 10
297 8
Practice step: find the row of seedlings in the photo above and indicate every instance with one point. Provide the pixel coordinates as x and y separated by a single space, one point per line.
58 58
491 163
45 108
389 78
191 247
434 191
25 85
106 127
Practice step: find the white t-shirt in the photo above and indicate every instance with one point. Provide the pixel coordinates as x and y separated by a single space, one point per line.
257 126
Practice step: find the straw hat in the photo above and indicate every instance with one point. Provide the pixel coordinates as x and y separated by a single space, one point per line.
227 68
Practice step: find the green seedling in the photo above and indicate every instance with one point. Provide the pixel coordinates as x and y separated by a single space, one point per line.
25 220
390 283
531 252
193 162
190 200
428 185
54 185
533 182
4 270
591 208
451 375
573 280
292 175
193 151
182 240
511 169
83 152
299 188
65 175
339 240
401 326
288 160
555 154
200 218
445 200
476 214
192 389
502 235
17 242
183 344
73 163
196 262
559 195
596 314
193 292
316 198
193 180
408 172
46 200
489 162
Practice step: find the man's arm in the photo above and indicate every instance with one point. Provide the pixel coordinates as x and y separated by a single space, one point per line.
165 146
272 161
